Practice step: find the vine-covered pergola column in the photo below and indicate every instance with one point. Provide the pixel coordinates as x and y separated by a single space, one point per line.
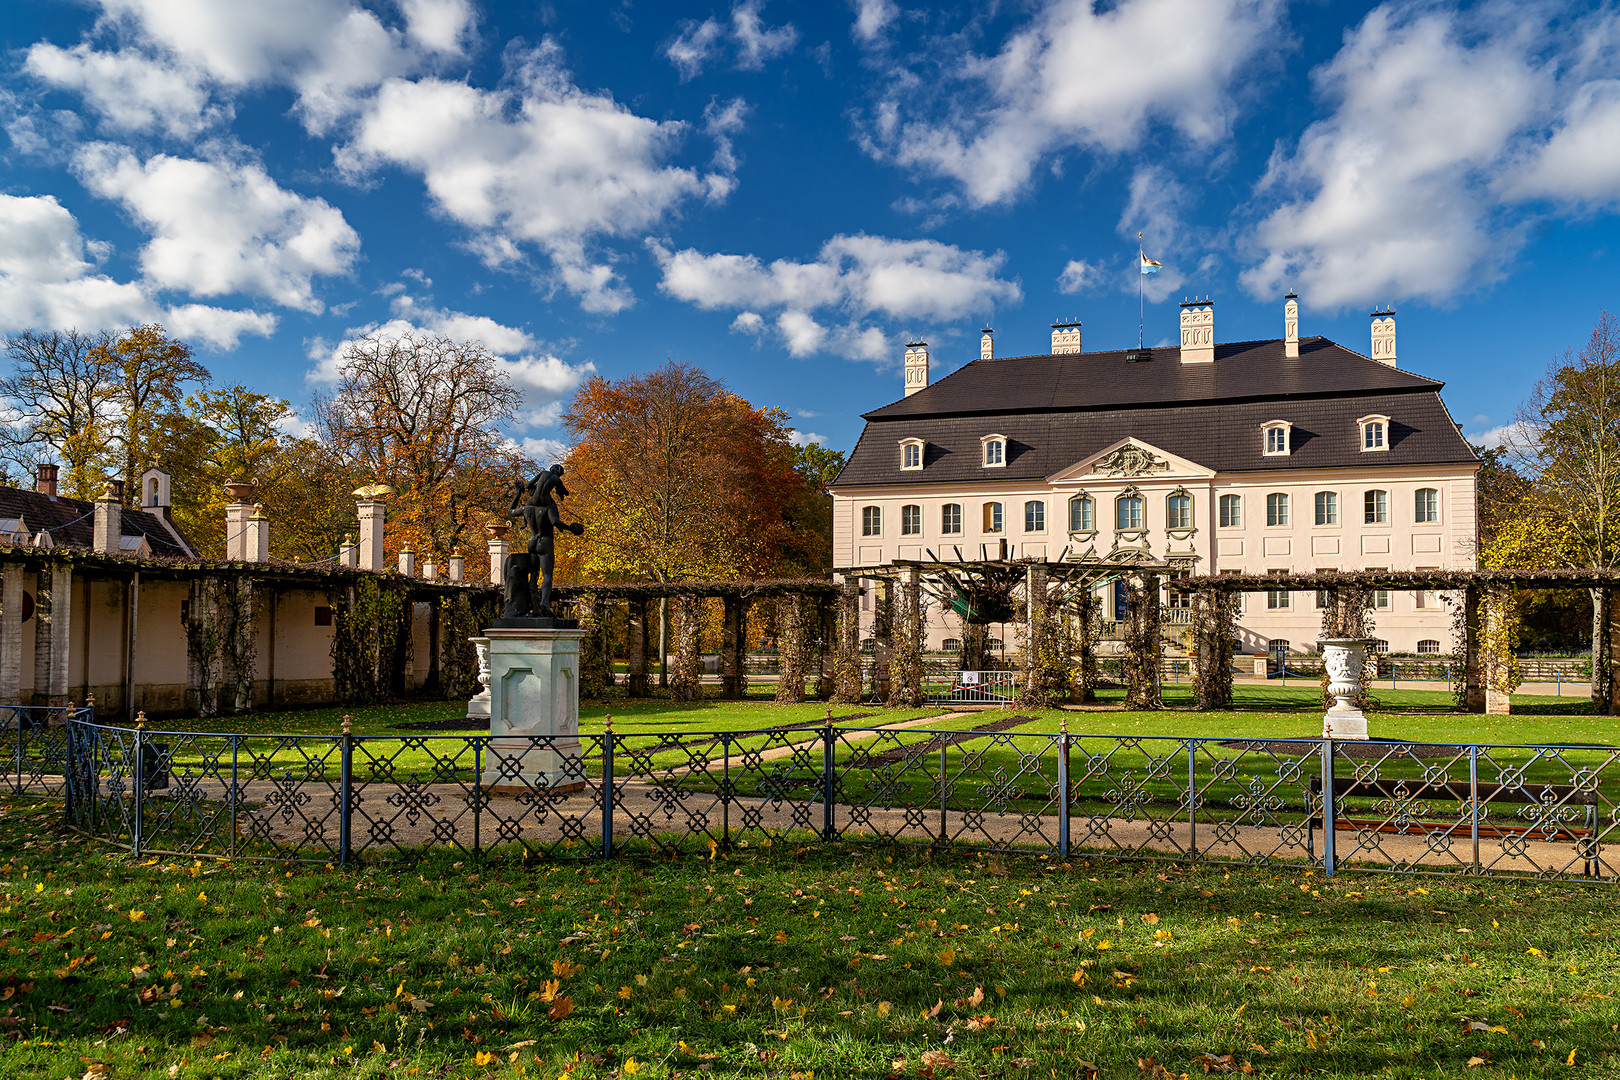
1212 634
1498 639
202 646
593 660
637 647
826 674
1603 645
791 649
1031 689
847 650
1088 623
733 647
1473 663
1143 679
1613 608
905 664
685 679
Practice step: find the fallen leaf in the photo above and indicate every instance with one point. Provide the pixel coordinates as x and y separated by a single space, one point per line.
561 1007
947 957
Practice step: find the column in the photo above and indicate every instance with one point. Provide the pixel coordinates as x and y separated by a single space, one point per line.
733 647
1614 654
905 662
202 665
1497 645
637 638
1143 679
790 649
686 678
372 514
499 549
883 637
1032 690
53 612
1088 622
847 647
826 675
11 629
256 540
1602 651
1473 667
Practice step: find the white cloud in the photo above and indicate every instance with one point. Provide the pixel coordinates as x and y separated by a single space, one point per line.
1077 76
749 322
1080 276
132 91
544 450
1497 437
872 18
800 332
806 438
47 283
1444 124
538 161
699 43
222 227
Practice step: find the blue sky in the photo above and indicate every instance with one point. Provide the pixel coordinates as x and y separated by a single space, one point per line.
785 193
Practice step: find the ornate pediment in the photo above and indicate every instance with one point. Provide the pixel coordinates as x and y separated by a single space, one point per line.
1130 460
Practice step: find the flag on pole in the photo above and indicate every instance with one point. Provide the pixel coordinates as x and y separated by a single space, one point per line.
1149 266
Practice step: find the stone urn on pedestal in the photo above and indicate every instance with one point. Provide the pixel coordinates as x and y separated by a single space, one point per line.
478 707
1343 659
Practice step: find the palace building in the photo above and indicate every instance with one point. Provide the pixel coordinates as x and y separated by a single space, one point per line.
1284 456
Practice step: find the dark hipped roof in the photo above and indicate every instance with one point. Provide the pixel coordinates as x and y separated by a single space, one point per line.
1059 410
71 522
1242 371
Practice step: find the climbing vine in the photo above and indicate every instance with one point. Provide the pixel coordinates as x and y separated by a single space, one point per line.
847 649
593 648
233 604
1143 680
1050 671
1499 640
905 658
793 649
458 657
202 644
684 681
371 642
1087 630
1214 634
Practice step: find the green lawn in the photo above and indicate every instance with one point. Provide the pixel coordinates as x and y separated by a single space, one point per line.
788 962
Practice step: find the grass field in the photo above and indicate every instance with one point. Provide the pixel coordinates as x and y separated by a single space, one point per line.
788 962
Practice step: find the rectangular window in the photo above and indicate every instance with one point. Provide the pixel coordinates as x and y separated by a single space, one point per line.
1381 599
1035 516
1128 512
913 456
992 517
1278 599
910 520
1321 599
1327 507
992 452
1231 511
1080 514
950 519
1373 436
1277 508
1178 512
323 616
1375 507
1428 506
1276 440
871 521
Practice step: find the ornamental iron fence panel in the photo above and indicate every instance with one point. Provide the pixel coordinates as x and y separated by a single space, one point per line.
1411 808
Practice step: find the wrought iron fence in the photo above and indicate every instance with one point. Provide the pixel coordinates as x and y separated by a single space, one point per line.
1546 811
38 736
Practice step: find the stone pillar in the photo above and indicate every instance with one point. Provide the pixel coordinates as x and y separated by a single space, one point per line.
534 710
53 611
1088 626
372 513
108 534
1497 648
905 662
1603 672
687 676
1473 666
733 647
1143 678
637 639
790 649
847 643
458 568
595 665
499 549
1614 654
826 674
1031 689
11 630
256 540
883 616
348 553
237 512
407 562
430 569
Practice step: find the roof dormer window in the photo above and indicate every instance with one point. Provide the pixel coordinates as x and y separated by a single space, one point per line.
1276 434
911 454
995 451
1374 432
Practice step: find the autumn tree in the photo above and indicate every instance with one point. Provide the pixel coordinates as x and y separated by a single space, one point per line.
1565 444
808 544
677 478
61 391
422 414
150 372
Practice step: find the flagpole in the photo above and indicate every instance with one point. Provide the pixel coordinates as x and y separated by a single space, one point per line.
1141 317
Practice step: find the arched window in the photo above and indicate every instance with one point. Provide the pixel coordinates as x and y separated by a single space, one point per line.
871 521
1034 516
1428 647
950 519
1231 511
1276 438
911 454
1427 508
1380 646
1277 508
1178 512
1128 512
1327 507
911 520
1374 432
1375 507
995 451
992 517
951 644
1082 514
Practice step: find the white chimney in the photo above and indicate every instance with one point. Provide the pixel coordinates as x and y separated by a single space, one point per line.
237 512
1198 331
916 367
1066 337
107 535
987 344
1383 336
256 537
499 548
407 561
348 554
1291 326
372 514
458 567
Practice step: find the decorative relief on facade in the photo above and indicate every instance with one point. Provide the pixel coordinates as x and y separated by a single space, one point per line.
1131 460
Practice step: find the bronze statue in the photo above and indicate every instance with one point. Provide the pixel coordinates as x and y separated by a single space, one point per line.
540 513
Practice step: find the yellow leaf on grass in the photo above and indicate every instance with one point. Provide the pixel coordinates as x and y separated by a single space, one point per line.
883 1007
641 980
1534 952
561 1008
564 970
1571 1060
947 957
624 992
781 936
483 1057
137 916
977 997
631 1065
1151 919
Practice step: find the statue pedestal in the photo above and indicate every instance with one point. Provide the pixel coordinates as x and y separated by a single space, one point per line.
533 710
478 705
1344 659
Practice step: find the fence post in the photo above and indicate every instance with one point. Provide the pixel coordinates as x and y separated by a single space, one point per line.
1192 796
67 771
20 717
1473 801
140 785
1329 853
345 787
725 791
236 743
828 825
478 794
1063 786
944 824
607 787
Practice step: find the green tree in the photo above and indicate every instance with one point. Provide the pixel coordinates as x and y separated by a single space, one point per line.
62 393
150 372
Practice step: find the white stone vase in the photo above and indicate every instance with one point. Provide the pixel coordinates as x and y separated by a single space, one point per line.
478 707
1343 659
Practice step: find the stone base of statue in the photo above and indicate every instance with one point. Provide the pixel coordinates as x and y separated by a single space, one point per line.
478 705
533 710
1343 659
